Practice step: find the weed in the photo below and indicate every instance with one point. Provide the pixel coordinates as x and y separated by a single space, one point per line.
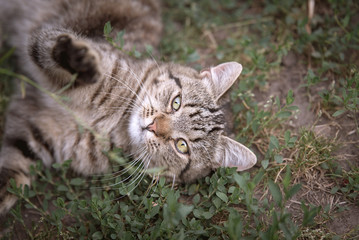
348 184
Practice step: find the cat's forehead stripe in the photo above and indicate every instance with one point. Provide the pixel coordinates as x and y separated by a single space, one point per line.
196 139
176 79
192 105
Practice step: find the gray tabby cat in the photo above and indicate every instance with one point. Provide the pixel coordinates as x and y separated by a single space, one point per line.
162 114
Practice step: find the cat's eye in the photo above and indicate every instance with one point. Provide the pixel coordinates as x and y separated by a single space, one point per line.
176 103
181 146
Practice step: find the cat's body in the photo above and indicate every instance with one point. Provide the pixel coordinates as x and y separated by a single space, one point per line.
163 114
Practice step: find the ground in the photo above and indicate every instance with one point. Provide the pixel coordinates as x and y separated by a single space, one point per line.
295 105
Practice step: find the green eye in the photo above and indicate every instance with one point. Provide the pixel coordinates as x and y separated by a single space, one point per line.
176 103
181 146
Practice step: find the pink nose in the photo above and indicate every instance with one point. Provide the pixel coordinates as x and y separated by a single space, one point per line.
152 127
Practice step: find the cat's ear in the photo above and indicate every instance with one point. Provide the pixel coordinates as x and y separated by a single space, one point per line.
221 77
233 154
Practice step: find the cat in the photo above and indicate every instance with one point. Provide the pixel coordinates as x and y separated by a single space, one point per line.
161 114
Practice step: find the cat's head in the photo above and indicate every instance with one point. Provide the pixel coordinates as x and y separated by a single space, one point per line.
177 123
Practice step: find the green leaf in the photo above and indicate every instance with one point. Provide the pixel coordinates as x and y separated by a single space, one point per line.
193 189
66 164
241 181
45 204
97 235
334 190
339 112
231 189
62 188
162 181
108 28
56 165
287 176
217 202
265 163
278 158
207 215
196 199
60 202
287 136
284 114
184 210
274 142
154 211
257 178
222 196
346 21
26 191
235 225
275 191
71 229
58 214
293 191
309 214
290 98
119 38
77 181
292 108
197 213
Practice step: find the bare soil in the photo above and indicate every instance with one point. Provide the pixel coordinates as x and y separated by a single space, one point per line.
316 188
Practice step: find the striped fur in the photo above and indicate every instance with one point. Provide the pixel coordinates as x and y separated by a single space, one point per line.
115 101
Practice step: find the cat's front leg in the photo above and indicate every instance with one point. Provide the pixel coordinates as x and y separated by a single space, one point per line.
61 55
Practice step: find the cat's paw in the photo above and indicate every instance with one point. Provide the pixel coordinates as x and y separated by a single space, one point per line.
76 57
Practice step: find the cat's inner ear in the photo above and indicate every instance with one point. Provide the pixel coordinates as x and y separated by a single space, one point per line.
233 154
221 77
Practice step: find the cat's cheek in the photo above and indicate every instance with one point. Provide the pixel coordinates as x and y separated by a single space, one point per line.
134 129
148 136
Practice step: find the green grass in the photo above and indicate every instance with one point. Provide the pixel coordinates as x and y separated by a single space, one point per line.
273 200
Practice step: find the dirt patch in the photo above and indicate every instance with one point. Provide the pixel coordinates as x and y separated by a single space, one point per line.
343 129
345 222
290 77
316 184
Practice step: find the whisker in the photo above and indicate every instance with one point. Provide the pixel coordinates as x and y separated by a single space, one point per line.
137 78
173 180
138 151
153 181
121 172
140 176
129 88
127 100
154 59
157 180
141 166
